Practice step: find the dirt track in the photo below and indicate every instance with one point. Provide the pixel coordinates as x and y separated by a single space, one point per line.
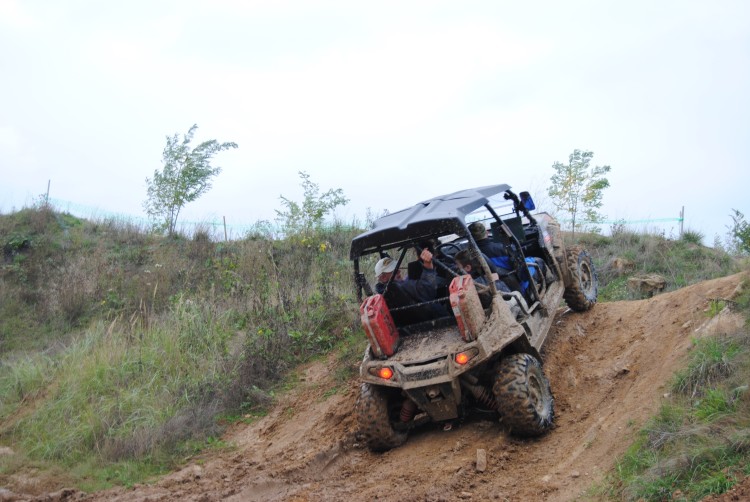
609 369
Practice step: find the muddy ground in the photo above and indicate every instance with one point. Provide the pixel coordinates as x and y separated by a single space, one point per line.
609 369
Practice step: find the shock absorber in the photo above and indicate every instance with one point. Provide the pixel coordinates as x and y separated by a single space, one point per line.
480 392
408 409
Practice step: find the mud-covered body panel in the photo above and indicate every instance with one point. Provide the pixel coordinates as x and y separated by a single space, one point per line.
428 357
435 372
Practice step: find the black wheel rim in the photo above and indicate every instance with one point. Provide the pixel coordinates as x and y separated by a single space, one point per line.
585 276
536 394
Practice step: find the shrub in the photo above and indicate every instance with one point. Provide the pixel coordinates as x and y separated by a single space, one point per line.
692 237
739 233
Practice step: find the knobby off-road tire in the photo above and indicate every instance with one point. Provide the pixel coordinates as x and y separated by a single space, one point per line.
523 395
580 294
374 421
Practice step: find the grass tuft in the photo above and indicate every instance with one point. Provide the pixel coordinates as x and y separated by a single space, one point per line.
713 359
692 237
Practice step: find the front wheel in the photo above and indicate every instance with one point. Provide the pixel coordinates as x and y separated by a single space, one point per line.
580 294
374 419
523 395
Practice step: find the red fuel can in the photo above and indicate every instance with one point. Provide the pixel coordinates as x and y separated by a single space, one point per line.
379 326
466 307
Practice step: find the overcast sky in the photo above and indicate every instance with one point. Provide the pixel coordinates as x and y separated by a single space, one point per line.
393 102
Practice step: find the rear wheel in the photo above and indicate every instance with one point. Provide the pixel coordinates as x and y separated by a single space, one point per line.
523 395
580 294
374 419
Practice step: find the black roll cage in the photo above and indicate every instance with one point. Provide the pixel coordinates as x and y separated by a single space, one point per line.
439 217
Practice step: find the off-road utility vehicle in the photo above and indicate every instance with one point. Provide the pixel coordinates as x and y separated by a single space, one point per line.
473 346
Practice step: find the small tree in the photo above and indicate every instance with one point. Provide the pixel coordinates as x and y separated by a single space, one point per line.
185 176
307 217
739 233
577 188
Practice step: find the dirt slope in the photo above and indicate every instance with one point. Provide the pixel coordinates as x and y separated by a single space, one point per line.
609 369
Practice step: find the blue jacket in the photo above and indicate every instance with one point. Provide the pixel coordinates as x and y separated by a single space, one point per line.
497 253
499 256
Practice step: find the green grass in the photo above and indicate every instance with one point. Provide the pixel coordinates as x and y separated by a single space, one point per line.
698 443
144 347
681 262
349 355
615 289
121 405
715 306
714 404
696 460
713 360
93 477
114 392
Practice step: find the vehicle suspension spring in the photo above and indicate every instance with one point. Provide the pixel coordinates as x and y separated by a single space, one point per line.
481 394
408 409
486 397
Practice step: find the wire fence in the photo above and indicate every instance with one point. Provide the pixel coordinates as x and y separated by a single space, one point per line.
647 225
223 230
216 229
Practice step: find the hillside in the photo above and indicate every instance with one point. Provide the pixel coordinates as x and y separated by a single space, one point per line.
608 369
126 354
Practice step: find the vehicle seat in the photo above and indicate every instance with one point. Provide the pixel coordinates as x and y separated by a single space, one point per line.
405 310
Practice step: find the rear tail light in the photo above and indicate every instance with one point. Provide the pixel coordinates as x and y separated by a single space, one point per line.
384 372
464 357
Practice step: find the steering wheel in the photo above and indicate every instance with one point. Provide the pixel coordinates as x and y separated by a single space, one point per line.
441 249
